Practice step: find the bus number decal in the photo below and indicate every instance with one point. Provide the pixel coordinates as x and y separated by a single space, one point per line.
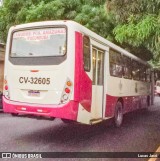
34 80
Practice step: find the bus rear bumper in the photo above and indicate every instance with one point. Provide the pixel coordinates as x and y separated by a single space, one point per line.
67 111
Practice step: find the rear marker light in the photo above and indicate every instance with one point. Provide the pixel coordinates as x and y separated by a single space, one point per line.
34 70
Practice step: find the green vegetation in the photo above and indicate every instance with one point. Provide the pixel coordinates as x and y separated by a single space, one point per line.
132 24
90 13
137 26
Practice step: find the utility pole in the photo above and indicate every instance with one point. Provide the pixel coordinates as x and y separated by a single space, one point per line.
152 87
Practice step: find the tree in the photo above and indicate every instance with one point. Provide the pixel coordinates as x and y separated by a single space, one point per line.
91 14
137 25
131 24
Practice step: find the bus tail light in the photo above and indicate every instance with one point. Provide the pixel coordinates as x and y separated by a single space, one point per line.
66 91
6 89
69 83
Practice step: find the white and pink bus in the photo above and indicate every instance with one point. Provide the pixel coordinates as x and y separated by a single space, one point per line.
60 69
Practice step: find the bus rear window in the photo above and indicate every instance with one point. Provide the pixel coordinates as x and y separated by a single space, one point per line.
39 42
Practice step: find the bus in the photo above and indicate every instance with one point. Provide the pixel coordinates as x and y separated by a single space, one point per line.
61 69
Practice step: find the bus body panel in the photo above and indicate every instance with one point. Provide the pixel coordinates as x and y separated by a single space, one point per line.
49 82
134 94
130 103
83 84
67 111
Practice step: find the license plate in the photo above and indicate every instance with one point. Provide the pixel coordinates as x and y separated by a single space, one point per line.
33 93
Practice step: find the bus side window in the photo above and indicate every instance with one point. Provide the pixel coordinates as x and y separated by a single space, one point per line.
100 68
127 67
115 59
94 57
135 70
143 73
86 53
148 75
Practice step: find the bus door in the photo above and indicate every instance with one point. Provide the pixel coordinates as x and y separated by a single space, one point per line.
98 83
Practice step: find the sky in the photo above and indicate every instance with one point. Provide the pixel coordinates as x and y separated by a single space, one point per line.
1 2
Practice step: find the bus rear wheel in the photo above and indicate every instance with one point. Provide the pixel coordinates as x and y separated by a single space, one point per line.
14 114
66 121
118 115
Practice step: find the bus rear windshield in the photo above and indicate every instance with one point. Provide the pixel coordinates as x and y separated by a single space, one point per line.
39 42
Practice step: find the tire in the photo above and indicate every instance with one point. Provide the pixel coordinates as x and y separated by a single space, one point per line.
66 121
14 114
118 115
52 118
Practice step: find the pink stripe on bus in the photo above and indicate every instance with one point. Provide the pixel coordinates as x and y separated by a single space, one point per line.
67 111
83 84
130 103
